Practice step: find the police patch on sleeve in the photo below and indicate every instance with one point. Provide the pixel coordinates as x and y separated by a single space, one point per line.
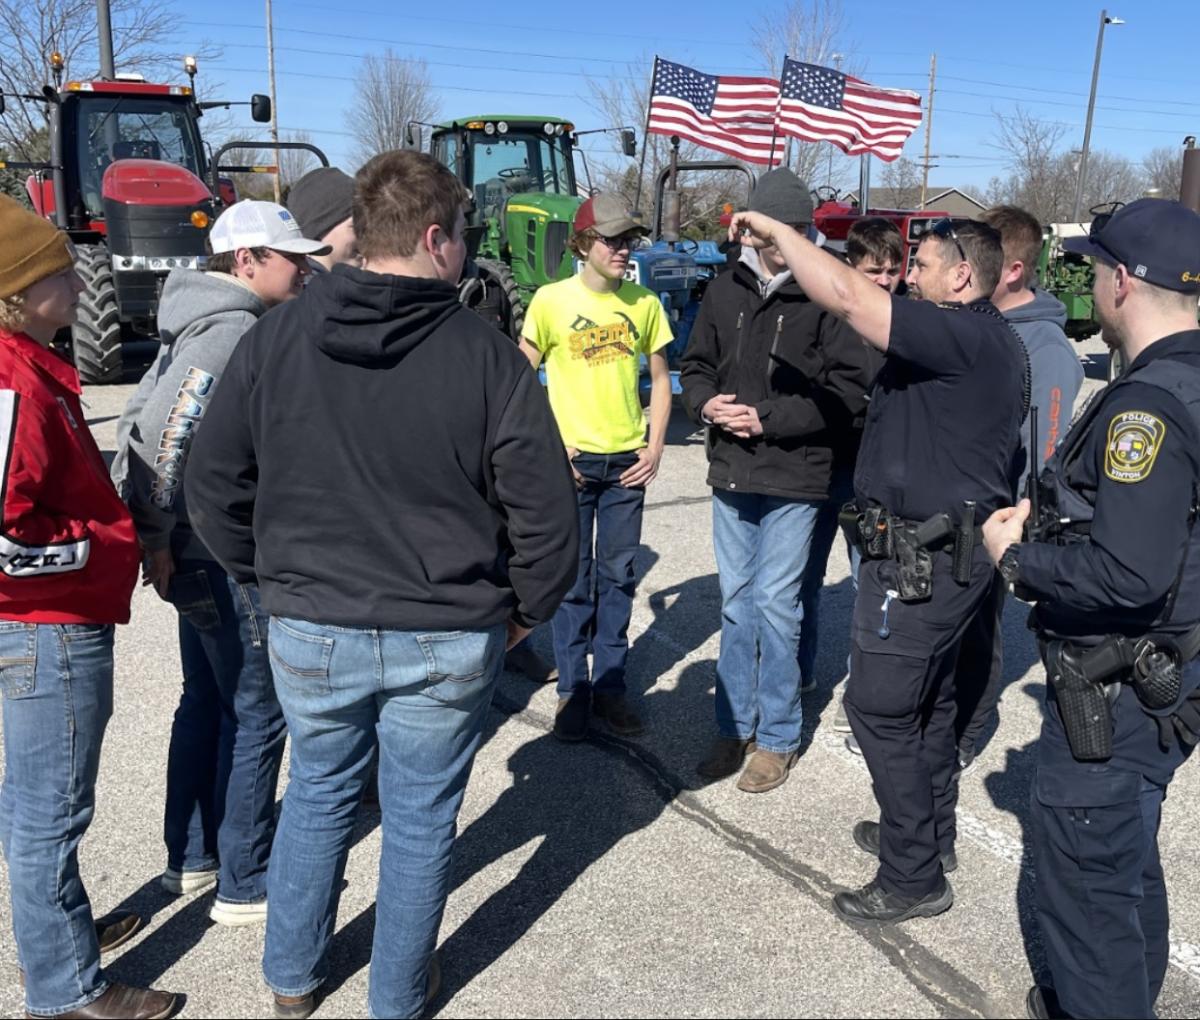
1134 438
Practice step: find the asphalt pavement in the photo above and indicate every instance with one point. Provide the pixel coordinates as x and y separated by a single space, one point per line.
606 879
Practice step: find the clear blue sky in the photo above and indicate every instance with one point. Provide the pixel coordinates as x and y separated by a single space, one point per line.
487 57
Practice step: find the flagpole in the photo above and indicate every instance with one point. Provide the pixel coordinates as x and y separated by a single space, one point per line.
646 135
864 183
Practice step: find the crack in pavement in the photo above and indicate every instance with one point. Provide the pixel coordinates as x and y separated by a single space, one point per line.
947 988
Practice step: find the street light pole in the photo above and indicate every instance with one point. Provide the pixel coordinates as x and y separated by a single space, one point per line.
1087 130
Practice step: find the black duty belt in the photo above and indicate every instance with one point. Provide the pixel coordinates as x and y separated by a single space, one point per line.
1086 679
880 535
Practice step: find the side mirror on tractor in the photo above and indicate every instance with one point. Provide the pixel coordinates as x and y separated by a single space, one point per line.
1 102
628 143
409 141
260 108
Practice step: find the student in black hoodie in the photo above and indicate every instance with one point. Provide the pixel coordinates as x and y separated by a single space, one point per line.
779 382
387 467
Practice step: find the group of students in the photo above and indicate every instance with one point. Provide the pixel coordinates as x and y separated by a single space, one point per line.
354 493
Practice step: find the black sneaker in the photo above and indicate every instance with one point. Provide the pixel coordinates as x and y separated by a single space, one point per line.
1042 1004
966 760
872 904
571 716
866 837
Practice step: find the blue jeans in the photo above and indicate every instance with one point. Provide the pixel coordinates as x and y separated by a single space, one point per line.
227 737
57 682
594 617
762 544
426 695
841 491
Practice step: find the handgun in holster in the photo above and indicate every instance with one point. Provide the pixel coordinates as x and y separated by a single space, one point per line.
1153 665
1083 700
914 578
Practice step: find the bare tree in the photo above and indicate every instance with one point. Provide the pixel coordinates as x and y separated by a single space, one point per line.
391 92
1042 175
813 31
623 101
1162 168
30 30
901 175
295 163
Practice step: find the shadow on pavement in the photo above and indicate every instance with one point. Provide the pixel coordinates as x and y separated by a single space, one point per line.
1010 789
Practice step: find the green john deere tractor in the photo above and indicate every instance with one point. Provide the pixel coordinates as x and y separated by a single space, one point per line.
520 171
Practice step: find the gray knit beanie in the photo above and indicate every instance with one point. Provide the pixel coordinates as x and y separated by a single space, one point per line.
781 195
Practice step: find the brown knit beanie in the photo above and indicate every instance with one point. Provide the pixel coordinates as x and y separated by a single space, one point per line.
31 248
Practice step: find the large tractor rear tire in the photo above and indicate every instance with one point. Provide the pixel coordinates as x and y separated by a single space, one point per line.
511 312
96 335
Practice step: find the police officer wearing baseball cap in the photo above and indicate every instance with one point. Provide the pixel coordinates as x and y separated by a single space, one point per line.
1111 556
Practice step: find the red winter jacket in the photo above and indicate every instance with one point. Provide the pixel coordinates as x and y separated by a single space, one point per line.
68 551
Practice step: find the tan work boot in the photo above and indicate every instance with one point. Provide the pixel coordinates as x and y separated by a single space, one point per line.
725 757
765 770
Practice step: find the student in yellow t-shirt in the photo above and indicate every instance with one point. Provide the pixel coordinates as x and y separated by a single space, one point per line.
591 332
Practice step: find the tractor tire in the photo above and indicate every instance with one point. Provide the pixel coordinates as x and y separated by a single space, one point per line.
96 335
511 312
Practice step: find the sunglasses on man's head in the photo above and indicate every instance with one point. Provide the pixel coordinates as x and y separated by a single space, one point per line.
943 230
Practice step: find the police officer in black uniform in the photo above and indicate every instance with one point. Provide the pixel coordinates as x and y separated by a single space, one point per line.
1113 562
939 454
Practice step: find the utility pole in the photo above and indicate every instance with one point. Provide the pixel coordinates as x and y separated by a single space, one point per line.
274 101
108 70
928 128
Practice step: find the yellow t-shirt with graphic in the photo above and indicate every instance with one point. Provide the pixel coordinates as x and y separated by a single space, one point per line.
590 345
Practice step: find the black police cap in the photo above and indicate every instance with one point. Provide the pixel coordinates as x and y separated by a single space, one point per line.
1157 240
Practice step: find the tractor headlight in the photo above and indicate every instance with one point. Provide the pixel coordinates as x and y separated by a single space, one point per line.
502 127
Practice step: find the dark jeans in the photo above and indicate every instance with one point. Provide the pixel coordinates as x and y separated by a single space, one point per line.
227 737
1100 896
594 617
841 491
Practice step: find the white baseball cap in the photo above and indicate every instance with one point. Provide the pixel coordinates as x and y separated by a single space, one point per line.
252 224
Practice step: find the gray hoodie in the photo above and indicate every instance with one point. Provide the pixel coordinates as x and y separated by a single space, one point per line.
1055 373
201 318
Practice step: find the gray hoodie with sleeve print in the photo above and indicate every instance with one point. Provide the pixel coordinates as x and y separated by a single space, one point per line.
201 318
1055 375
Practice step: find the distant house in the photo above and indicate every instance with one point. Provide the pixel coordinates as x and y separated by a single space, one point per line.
948 200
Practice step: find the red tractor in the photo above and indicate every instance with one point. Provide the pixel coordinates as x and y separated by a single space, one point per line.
126 180
834 218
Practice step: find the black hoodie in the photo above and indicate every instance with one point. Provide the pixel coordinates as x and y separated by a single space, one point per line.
377 456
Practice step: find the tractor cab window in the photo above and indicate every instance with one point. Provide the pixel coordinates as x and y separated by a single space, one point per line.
109 128
512 164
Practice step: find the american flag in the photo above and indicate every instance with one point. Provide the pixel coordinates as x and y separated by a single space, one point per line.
735 116
819 104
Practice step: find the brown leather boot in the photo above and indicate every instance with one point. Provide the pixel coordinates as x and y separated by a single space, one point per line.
122 1002
765 770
